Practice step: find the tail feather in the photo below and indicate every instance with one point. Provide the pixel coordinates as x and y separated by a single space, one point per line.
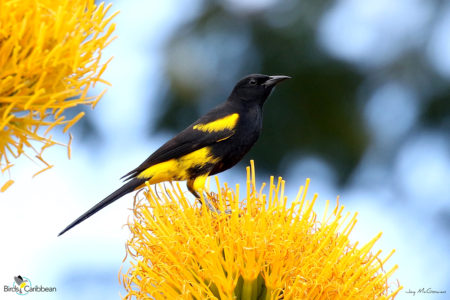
125 189
131 174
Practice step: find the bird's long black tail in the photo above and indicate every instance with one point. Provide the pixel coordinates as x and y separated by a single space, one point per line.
125 189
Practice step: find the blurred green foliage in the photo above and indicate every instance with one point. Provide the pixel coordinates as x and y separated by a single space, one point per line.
318 112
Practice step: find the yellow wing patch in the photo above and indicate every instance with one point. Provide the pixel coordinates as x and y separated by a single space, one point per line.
228 122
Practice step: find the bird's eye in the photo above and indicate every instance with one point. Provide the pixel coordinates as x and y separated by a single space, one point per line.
252 82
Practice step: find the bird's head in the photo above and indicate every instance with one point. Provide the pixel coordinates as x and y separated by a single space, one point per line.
255 88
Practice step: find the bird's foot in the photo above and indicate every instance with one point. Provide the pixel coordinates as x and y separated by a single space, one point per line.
211 207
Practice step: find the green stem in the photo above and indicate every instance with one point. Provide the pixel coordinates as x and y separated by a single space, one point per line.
249 289
267 294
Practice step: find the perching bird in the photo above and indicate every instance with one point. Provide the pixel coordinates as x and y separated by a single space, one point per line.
212 144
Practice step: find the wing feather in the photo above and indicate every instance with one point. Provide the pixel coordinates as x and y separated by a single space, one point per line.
188 140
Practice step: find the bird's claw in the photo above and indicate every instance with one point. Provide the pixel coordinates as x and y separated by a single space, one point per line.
211 207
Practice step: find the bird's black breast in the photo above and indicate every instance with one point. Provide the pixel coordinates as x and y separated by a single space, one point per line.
233 149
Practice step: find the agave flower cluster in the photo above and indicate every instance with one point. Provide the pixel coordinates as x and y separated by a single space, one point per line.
260 248
50 56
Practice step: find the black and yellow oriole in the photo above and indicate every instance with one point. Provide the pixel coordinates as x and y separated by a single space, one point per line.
212 144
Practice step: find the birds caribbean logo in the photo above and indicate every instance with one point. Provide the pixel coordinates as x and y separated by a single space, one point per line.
212 144
21 283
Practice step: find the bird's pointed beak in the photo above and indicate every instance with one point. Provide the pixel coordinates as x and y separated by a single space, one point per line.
275 79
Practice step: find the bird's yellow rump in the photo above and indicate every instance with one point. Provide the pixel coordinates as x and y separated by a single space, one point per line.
177 168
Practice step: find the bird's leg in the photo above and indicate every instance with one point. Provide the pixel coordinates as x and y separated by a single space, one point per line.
226 211
209 205
192 185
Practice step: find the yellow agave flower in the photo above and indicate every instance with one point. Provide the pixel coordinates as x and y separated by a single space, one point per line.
261 248
50 55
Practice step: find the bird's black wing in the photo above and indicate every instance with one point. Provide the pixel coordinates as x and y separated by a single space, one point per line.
192 138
